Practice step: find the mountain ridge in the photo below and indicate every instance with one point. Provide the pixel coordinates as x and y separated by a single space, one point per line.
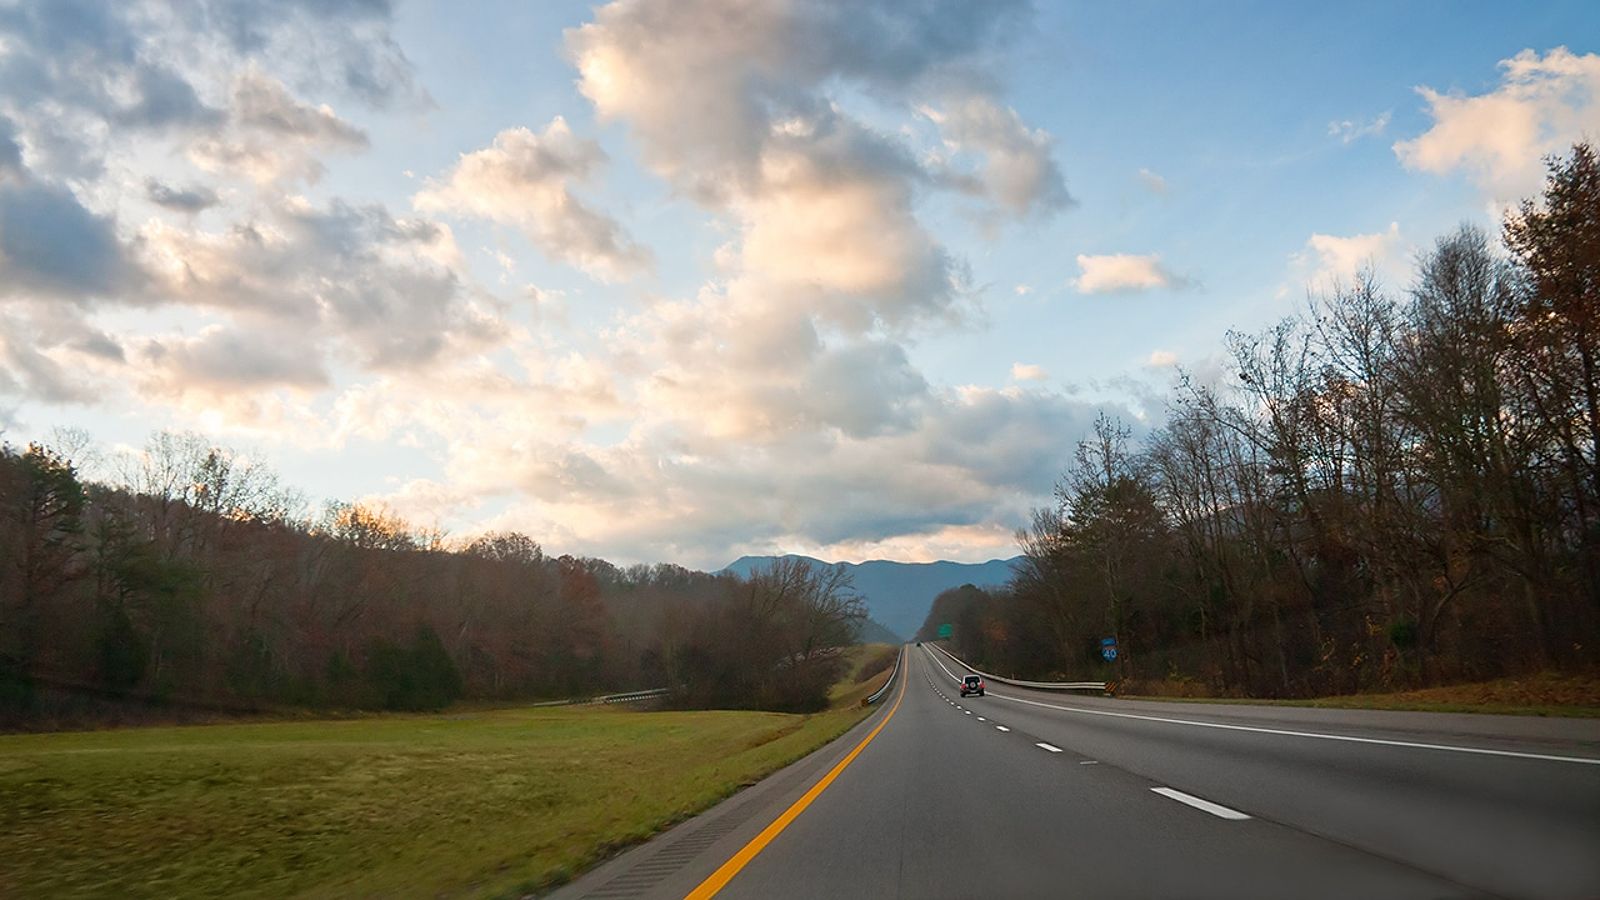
898 594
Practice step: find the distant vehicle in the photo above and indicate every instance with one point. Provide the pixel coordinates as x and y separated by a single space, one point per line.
972 684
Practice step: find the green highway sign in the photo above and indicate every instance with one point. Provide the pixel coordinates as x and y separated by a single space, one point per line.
945 631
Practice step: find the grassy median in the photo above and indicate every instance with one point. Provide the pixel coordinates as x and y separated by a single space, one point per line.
481 803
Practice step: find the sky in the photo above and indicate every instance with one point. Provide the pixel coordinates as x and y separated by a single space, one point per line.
682 281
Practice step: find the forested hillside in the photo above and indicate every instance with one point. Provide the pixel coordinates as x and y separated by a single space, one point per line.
193 582
1398 486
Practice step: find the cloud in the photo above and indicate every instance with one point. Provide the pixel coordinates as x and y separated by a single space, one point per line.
379 287
75 73
193 199
47 353
972 467
1337 260
703 83
1161 359
271 136
264 104
1153 181
524 179
1125 273
1542 106
833 225
1348 131
748 369
1028 372
221 361
735 105
51 244
1019 173
10 150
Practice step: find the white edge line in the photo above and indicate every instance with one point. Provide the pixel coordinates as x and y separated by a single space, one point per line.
1483 751
1218 810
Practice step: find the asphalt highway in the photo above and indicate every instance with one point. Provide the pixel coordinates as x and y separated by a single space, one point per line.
1026 793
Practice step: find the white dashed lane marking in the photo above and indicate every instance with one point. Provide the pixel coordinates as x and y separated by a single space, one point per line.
1001 728
1221 812
1052 748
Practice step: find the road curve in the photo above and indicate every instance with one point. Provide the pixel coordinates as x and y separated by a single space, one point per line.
1030 794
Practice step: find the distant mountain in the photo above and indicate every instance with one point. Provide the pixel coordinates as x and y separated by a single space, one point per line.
873 632
898 594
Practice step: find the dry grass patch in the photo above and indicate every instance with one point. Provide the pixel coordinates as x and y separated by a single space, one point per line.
1545 694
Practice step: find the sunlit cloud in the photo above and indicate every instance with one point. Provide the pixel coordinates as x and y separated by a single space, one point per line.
1120 273
525 180
1499 138
1332 260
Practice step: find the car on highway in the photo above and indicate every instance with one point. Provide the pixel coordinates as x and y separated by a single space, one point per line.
972 684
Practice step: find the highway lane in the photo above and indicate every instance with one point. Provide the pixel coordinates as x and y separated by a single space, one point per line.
1031 794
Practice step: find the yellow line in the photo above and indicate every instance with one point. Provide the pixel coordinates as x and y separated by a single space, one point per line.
724 874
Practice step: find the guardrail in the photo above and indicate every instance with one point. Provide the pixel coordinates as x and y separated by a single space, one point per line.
1036 685
628 697
631 697
878 694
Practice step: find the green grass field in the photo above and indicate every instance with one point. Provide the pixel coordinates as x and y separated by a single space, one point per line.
481 803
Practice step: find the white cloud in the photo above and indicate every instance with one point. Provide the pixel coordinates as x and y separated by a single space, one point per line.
525 179
1332 259
1019 174
971 467
1161 359
1125 273
1028 372
1348 131
736 105
1542 106
382 291
1154 181
1022 290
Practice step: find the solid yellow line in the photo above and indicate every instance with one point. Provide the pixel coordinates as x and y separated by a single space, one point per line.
724 874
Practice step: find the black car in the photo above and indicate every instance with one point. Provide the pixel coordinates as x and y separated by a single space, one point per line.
972 684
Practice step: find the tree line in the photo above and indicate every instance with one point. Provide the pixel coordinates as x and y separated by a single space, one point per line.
1392 488
192 578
